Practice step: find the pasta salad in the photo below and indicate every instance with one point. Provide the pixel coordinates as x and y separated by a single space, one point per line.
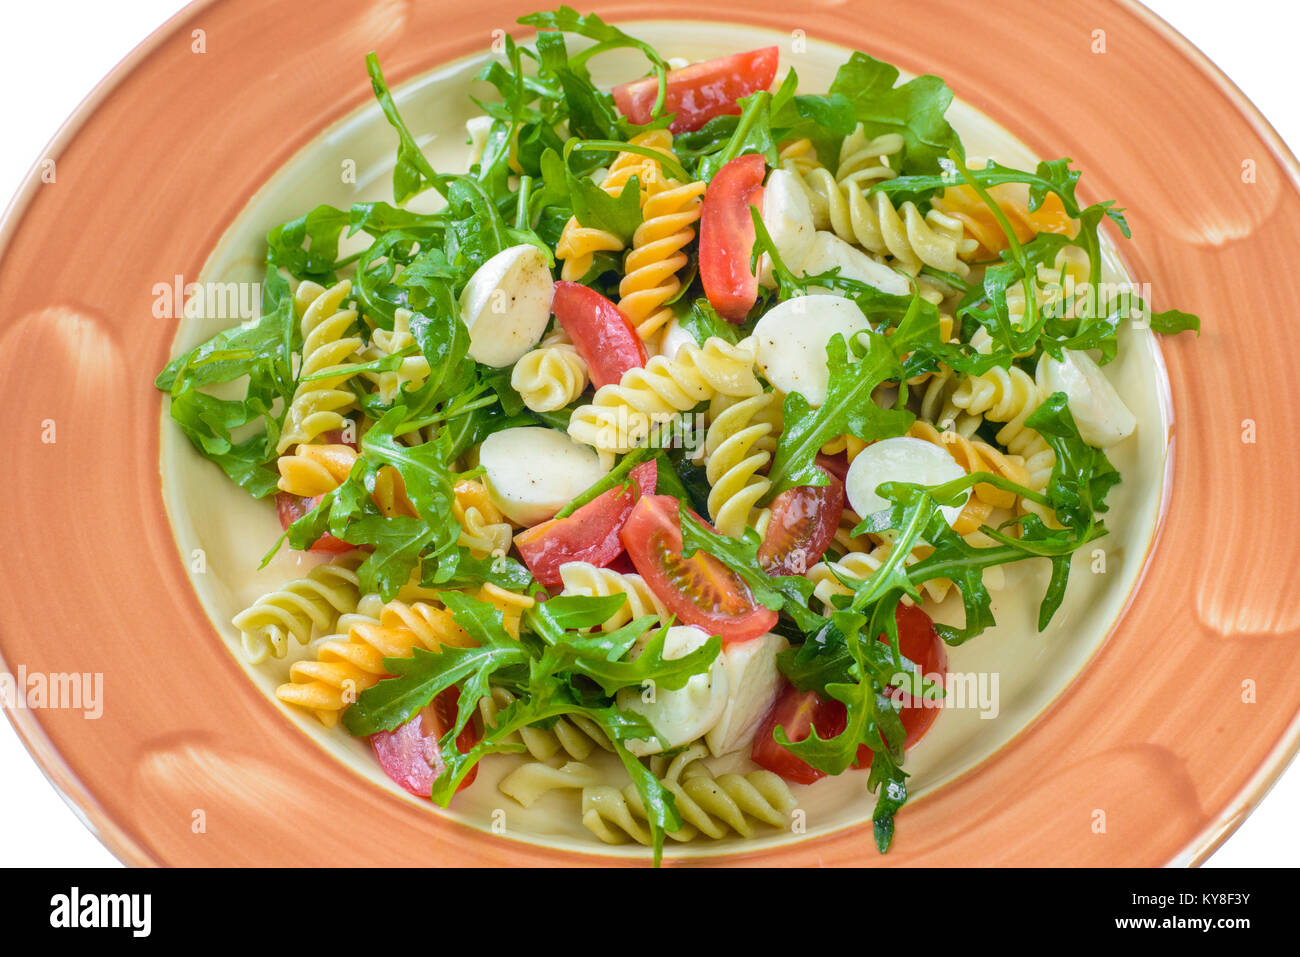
665 434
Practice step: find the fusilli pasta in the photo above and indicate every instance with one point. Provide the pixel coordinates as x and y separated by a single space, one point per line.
300 608
329 346
315 469
738 447
621 416
709 806
583 578
483 529
650 278
1009 396
576 735
347 664
578 244
550 376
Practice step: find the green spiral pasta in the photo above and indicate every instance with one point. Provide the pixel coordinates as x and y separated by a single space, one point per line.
300 608
709 806
329 346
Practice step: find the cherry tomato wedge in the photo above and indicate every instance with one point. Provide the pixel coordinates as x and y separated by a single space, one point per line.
290 508
798 712
803 525
837 464
410 755
590 534
727 236
699 590
920 644
602 334
701 91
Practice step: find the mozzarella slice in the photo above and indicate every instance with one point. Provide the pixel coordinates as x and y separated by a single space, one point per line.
688 713
507 304
902 459
478 128
673 338
1101 415
788 218
753 684
531 473
791 342
828 251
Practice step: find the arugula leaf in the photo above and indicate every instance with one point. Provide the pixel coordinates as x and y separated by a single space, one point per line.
592 206
413 173
915 110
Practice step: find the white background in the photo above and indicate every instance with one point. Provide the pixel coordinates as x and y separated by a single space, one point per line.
54 51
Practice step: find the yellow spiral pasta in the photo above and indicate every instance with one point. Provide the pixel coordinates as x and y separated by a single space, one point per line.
347 664
329 345
576 735
669 213
621 416
709 806
1009 396
306 606
551 376
483 529
315 469
583 578
512 605
798 156
738 447
529 782
383 342
578 244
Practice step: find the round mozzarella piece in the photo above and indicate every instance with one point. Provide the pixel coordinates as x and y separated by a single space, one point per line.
532 472
673 338
903 459
788 218
754 682
688 713
791 342
507 304
1101 415
828 251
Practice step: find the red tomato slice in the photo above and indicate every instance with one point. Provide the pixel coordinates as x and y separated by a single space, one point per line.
699 590
293 507
701 91
409 754
727 236
798 712
602 334
590 534
803 525
921 645
837 464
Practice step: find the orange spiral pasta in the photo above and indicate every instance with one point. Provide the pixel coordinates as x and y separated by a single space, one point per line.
669 213
348 664
315 469
579 244
483 529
